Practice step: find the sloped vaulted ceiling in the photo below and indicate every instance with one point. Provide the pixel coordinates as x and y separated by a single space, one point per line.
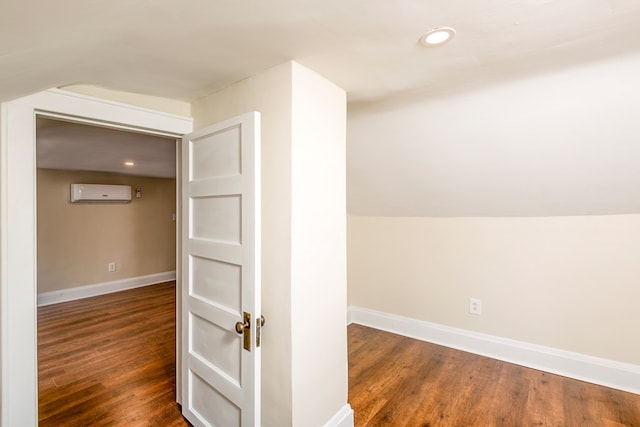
492 69
566 143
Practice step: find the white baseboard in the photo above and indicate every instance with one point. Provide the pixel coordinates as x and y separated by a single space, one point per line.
54 297
342 418
609 373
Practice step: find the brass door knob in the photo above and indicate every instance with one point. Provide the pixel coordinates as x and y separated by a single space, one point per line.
240 327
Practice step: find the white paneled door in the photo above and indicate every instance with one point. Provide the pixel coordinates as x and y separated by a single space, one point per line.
221 316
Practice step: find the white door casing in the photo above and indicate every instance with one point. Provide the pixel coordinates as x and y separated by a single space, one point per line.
221 273
18 363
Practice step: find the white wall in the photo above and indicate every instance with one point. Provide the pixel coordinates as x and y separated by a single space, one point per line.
2 291
270 94
167 105
318 248
565 282
302 122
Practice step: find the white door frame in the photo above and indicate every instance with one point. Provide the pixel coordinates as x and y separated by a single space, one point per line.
18 284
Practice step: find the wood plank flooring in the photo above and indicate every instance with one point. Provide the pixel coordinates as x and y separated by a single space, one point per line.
109 360
398 381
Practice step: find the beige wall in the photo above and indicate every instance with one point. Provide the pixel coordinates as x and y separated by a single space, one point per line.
304 382
564 282
77 241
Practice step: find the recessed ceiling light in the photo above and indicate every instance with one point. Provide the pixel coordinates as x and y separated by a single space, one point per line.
437 36
129 163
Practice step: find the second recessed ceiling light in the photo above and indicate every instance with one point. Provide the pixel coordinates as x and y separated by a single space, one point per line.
437 36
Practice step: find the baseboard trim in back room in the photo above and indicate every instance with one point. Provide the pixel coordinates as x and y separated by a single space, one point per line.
609 373
62 295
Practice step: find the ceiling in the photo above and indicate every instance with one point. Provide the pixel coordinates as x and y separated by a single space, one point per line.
368 47
72 146
564 143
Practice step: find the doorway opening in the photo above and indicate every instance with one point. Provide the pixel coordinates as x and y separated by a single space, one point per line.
85 250
18 293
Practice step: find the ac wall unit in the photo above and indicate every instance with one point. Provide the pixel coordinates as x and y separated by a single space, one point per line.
100 193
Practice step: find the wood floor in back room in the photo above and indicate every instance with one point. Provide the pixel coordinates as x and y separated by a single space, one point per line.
109 360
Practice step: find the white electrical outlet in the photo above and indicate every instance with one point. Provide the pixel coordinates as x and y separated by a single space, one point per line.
112 267
475 306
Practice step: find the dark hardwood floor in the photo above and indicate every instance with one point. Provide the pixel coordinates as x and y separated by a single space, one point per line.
109 360
398 381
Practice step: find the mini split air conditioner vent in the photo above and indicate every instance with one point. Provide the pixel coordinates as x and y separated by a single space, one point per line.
100 193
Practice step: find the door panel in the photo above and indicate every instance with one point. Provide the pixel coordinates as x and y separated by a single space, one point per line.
218 157
213 406
221 283
221 276
217 218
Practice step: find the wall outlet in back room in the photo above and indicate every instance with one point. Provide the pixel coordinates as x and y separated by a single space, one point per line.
111 267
